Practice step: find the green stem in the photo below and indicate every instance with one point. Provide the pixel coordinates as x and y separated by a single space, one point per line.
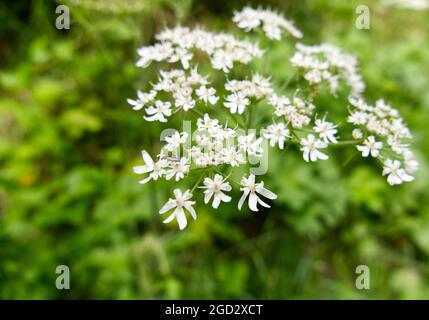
197 112
346 142
249 119
349 159
236 120
223 174
198 181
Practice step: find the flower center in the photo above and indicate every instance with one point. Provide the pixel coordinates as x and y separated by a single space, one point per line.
180 202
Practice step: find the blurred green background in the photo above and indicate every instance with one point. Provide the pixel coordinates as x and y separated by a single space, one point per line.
68 142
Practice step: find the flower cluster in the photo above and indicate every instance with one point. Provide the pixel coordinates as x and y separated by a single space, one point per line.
324 134
215 150
215 145
326 62
177 45
185 90
298 112
241 90
272 23
385 133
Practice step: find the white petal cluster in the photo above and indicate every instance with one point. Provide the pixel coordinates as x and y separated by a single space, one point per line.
326 130
182 88
272 23
212 144
395 174
381 119
251 189
165 167
175 140
322 134
155 169
387 134
179 204
207 95
297 112
142 99
277 133
159 111
261 114
326 62
216 145
250 144
215 188
178 45
310 147
370 147
241 91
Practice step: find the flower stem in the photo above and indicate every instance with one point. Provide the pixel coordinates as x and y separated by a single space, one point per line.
345 142
198 181
197 112
227 176
350 159
249 119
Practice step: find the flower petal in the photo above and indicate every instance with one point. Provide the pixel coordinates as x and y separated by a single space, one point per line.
181 218
243 197
168 206
253 201
188 206
267 193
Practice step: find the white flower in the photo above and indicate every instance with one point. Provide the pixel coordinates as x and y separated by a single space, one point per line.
326 130
175 140
216 145
357 134
396 145
222 60
183 99
411 164
272 23
329 63
248 19
207 94
182 55
178 169
233 157
156 169
158 52
370 147
396 175
215 187
211 125
226 133
272 31
314 76
176 45
142 99
250 188
358 118
276 133
159 112
236 102
250 144
310 148
180 203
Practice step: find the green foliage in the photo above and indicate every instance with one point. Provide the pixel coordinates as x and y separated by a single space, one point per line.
68 142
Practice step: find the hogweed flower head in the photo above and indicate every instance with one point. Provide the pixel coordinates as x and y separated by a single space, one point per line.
217 147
